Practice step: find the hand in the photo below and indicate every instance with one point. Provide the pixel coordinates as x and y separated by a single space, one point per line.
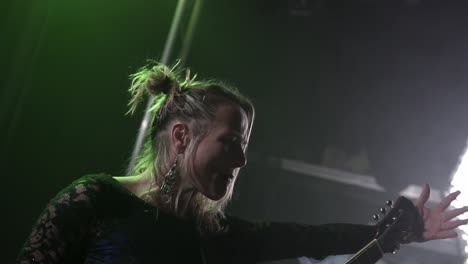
438 223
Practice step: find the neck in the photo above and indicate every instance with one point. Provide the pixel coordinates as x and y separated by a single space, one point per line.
144 186
178 203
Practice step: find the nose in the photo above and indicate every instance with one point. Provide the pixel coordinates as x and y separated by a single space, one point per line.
239 159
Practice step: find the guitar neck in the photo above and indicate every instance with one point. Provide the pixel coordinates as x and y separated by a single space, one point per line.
370 254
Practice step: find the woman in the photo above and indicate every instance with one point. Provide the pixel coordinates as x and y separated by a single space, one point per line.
171 210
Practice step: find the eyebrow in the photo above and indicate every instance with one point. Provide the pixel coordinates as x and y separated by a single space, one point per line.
238 134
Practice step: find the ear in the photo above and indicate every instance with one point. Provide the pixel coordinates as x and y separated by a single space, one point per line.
180 136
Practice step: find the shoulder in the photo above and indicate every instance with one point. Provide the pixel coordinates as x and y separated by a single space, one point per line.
94 179
91 182
65 222
84 189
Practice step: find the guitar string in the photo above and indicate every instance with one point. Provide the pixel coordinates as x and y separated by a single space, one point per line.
357 256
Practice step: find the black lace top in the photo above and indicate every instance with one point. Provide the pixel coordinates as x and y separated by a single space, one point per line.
96 220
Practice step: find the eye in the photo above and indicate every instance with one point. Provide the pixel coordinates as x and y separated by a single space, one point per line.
228 142
227 145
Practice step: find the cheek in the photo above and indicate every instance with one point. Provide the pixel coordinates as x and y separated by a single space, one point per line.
211 157
202 169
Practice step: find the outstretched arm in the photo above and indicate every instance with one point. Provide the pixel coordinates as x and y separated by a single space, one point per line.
439 222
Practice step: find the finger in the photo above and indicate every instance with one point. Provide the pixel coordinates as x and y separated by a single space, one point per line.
447 200
445 234
424 196
454 224
455 212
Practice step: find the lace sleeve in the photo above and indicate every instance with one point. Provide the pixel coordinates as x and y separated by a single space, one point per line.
58 234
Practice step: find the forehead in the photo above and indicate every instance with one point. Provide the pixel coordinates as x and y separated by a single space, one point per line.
230 116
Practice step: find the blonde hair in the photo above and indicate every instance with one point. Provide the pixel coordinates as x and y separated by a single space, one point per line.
191 101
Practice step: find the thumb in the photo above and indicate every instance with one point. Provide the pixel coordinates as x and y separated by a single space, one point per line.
423 197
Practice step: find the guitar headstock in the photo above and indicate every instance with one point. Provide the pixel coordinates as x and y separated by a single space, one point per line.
398 223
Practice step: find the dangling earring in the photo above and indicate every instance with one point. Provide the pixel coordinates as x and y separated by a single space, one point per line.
169 179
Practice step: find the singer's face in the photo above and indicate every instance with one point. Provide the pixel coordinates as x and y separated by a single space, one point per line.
220 154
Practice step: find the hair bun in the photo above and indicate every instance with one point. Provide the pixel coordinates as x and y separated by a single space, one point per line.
161 82
153 79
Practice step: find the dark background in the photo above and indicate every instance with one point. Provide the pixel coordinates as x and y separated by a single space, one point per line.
384 77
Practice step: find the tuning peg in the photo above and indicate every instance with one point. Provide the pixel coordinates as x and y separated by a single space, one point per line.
389 203
375 217
383 210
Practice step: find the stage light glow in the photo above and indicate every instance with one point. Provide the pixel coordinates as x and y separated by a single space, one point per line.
460 182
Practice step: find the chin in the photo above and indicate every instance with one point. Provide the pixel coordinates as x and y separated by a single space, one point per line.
216 196
218 191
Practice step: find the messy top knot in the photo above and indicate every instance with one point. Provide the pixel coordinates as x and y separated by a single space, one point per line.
157 80
160 82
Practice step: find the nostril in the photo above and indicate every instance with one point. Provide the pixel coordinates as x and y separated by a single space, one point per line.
241 161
